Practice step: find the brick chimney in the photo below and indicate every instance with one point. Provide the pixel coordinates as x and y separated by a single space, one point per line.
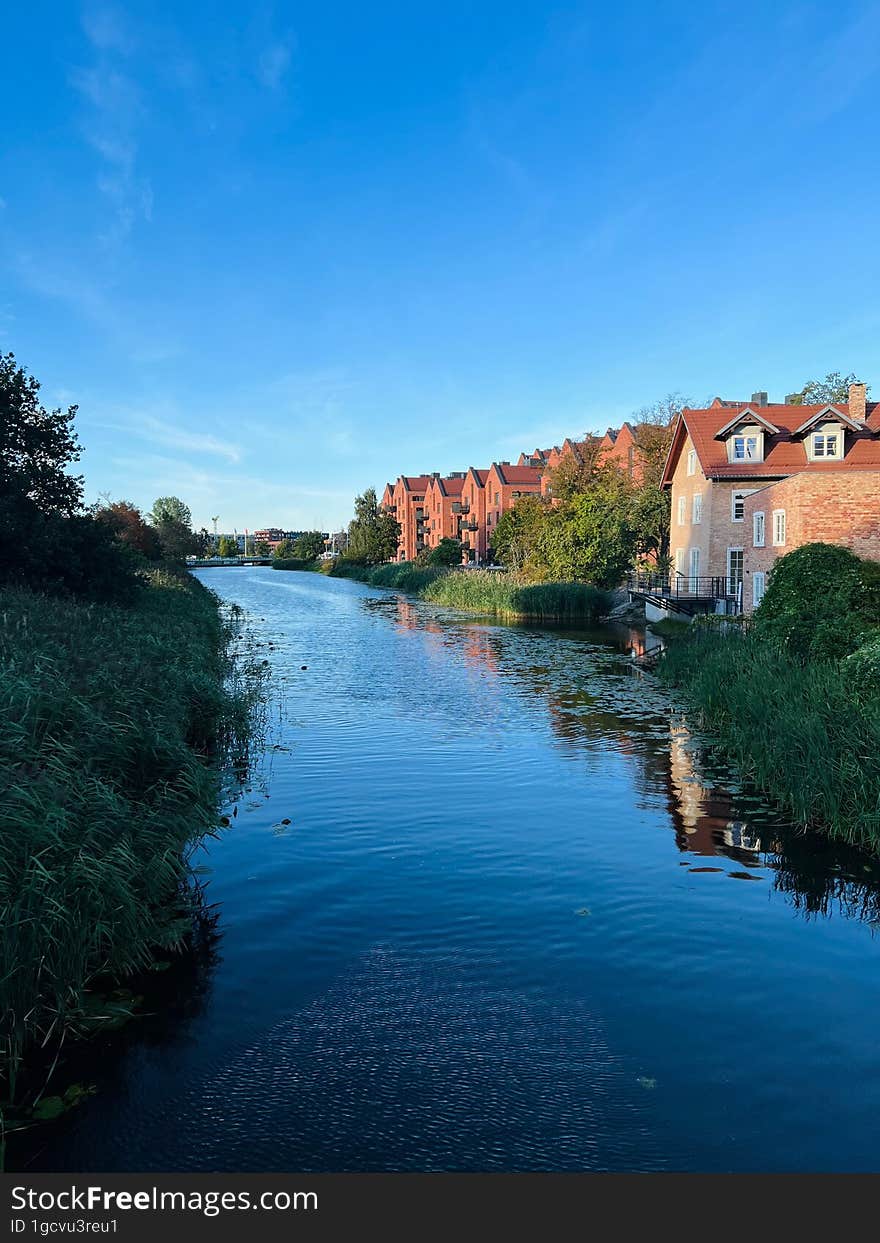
858 396
759 399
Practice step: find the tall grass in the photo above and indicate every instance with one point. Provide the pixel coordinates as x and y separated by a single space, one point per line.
797 731
109 719
404 575
503 595
294 563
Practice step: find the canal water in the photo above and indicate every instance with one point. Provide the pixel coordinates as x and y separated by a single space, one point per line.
485 904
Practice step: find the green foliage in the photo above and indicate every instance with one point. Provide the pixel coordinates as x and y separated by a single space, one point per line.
447 552
262 548
36 447
834 389
170 509
796 731
861 671
108 719
373 533
308 546
227 546
403 575
285 550
593 537
507 595
820 602
293 563
519 537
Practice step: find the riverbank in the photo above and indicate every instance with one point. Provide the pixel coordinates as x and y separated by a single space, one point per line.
493 593
807 734
113 724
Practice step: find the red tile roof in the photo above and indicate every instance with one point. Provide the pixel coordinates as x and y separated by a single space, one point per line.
784 454
450 486
415 483
516 474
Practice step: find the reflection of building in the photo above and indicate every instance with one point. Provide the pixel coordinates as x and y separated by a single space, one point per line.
704 819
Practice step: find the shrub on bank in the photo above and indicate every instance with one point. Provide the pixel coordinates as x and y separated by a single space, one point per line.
402 575
502 594
294 563
108 717
798 731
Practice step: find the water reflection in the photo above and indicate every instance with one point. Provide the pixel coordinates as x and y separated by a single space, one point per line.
594 694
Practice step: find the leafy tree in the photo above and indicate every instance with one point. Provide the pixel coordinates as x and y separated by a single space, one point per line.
447 552
173 521
227 547
834 389
126 522
168 509
262 548
36 446
373 533
285 550
309 545
48 542
575 474
593 536
518 539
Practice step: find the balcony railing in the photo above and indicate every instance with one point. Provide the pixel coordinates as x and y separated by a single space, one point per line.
684 586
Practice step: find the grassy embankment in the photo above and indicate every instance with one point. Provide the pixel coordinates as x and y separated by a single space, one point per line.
491 592
294 563
112 722
808 734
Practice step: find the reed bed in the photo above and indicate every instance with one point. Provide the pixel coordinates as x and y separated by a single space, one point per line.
402 575
111 722
500 594
800 732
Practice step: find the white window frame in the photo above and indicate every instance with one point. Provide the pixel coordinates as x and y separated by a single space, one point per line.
759 579
733 499
756 526
682 510
692 462
752 439
779 531
694 569
823 436
697 509
734 583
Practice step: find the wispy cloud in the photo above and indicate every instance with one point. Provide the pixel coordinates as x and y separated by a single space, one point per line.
274 62
170 435
114 109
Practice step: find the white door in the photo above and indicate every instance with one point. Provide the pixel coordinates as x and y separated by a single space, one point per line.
695 570
735 573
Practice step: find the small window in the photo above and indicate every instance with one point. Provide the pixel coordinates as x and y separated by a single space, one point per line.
497 498
758 581
737 506
758 530
692 462
779 528
682 510
825 445
745 448
697 512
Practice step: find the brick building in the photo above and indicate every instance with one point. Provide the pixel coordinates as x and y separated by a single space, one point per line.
505 484
406 500
750 481
473 516
443 507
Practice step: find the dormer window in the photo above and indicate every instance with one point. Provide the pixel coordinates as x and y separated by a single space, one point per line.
826 443
747 447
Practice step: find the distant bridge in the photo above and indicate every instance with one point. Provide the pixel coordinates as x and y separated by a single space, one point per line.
217 562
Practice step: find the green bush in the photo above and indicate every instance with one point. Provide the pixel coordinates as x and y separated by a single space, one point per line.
861 671
820 602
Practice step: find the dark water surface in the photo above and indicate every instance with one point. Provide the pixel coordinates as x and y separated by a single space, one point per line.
514 923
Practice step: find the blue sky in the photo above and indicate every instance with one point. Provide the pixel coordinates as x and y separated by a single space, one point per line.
279 253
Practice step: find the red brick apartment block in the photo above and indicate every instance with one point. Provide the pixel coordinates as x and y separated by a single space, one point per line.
443 508
473 516
407 503
505 484
750 481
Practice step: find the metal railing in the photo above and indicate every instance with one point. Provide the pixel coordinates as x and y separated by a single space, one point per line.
677 585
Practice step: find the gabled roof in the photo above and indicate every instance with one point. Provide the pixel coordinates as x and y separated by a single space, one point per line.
516 474
449 486
746 415
825 415
784 452
415 483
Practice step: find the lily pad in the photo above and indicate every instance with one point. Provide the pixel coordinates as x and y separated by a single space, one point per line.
644 1081
48 1108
